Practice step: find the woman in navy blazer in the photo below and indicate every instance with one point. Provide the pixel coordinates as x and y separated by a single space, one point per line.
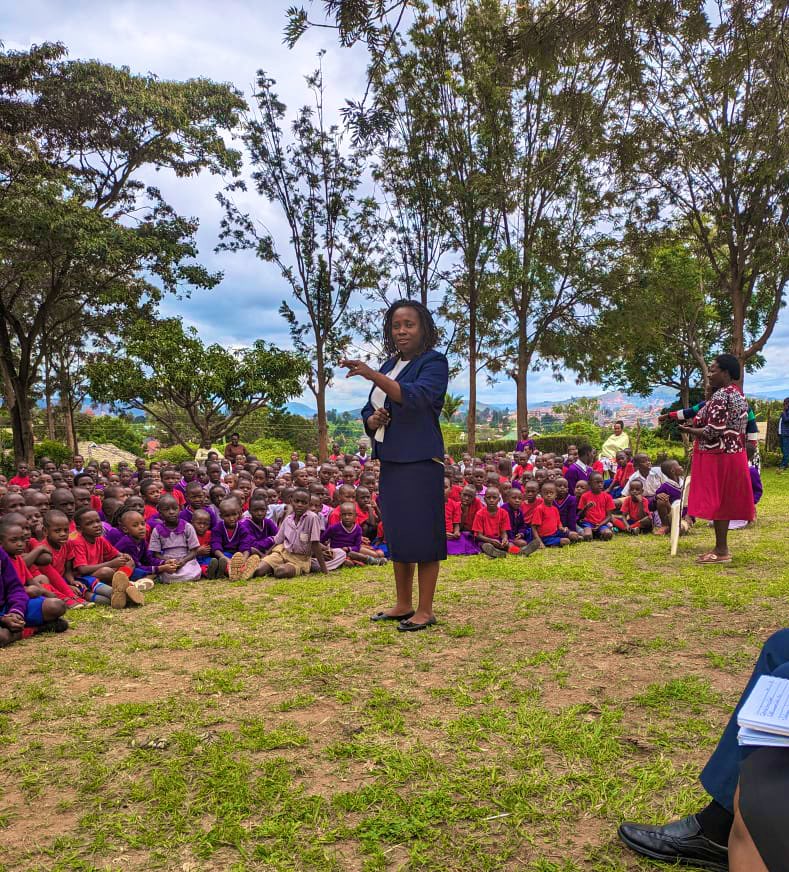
401 418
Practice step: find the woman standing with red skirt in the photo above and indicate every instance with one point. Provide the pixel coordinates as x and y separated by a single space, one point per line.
720 485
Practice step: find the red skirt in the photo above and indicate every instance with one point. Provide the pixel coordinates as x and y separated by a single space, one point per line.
720 487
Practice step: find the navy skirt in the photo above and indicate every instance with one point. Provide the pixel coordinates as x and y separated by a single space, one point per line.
411 497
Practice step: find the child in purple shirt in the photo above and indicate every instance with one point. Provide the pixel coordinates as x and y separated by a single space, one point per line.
18 610
257 531
567 505
346 538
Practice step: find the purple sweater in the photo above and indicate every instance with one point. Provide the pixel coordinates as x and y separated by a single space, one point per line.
186 514
138 551
221 540
756 484
568 512
576 473
253 536
337 536
518 525
13 597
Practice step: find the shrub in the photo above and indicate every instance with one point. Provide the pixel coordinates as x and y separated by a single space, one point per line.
581 431
267 449
108 428
556 443
58 452
176 454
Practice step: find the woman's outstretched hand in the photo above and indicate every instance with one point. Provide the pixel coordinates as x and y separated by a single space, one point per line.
379 418
357 367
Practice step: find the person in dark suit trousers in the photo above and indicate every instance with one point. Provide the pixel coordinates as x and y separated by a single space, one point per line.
402 420
747 820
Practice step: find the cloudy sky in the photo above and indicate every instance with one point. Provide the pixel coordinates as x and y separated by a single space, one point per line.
229 42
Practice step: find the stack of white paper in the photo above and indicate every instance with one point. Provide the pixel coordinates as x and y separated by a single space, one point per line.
764 717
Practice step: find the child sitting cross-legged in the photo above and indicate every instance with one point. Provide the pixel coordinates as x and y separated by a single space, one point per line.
296 543
522 541
19 611
460 542
546 523
635 516
38 558
567 505
492 525
257 534
346 537
132 525
226 540
173 539
100 567
595 509
668 492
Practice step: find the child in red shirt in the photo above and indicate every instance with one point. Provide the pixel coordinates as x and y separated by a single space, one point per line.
624 469
595 509
491 526
151 492
98 566
531 499
469 506
546 523
636 517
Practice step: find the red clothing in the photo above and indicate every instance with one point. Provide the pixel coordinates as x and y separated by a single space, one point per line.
600 505
24 483
634 511
149 511
96 503
454 492
528 510
597 466
334 517
330 489
494 526
622 474
84 553
179 496
22 569
519 470
546 519
205 538
451 515
720 488
59 556
468 514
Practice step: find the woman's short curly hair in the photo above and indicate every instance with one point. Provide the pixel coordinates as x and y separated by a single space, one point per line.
429 330
729 363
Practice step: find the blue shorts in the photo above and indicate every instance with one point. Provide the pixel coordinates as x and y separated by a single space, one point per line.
554 541
34 612
138 572
204 561
586 525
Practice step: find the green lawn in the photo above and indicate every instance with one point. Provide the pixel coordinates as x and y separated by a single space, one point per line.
269 725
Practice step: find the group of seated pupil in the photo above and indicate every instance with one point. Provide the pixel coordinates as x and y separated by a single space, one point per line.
79 536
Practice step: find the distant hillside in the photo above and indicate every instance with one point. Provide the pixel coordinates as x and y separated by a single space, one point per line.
300 409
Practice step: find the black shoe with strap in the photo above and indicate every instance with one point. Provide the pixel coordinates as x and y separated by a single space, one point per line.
680 842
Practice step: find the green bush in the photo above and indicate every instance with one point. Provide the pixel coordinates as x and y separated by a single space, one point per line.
458 449
176 454
556 443
581 431
55 451
267 449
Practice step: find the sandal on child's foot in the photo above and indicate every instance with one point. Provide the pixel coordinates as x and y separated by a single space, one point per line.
377 561
236 566
529 548
213 565
120 584
143 584
492 551
59 625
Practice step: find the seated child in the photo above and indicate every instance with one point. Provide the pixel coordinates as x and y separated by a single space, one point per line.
546 523
519 534
624 469
132 542
196 498
151 492
14 537
38 559
567 505
666 494
201 521
459 542
635 516
19 611
225 540
173 539
297 541
491 526
170 479
342 542
256 537
531 499
595 509
100 570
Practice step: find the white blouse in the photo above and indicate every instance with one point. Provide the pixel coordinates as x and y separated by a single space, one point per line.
378 396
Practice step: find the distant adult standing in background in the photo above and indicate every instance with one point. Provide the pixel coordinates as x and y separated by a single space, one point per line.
401 418
783 435
720 484
617 441
234 448
525 443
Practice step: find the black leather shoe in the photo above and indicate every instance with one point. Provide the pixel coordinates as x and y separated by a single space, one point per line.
678 842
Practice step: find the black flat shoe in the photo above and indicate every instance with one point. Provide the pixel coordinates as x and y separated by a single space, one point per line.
382 616
406 626
680 842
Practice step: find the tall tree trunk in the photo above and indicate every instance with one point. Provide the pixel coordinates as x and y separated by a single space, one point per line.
738 324
471 418
67 406
20 411
521 381
51 434
320 400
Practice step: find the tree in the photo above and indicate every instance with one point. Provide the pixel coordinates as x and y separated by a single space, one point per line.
708 145
623 349
314 181
580 410
550 192
162 370
80 234
452 405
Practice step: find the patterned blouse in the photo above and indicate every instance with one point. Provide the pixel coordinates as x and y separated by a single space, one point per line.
723 420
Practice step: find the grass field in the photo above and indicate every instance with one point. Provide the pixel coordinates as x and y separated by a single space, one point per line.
270 725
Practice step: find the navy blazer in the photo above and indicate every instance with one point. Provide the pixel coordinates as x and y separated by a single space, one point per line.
413 432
